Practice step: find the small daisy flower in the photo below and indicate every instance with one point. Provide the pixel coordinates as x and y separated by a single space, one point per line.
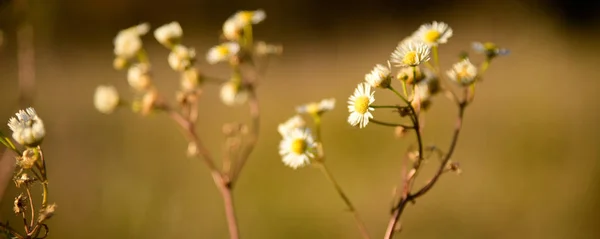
138 77
380 77
169 34
296 148
490 49
232 28
106 99
128 42
463 72
433 34
181 58
222 52
28 129
359 105
233 93
317 108
288 126
410 53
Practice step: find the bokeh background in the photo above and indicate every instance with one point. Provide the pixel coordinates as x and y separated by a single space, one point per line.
529 149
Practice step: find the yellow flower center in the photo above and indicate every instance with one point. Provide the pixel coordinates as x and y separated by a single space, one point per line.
361 104
463 73
299 146
312 108
410 58
246 17
223 50
489 46
432 36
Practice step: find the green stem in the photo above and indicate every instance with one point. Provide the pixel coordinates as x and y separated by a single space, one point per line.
317 120
385 106
436 60
361 225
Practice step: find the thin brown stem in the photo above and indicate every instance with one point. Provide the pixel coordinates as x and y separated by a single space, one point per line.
253 137
409 197
391 124
359 222
12 231
31 206
222 184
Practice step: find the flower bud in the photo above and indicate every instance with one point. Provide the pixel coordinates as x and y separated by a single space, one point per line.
106 99
28 129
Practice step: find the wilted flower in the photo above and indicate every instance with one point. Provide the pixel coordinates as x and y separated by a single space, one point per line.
138 77
380 77
433 34
463 72
20 204
28 158
46 213
490 49
222 52
288 126
410 53
106 99
233 93
359 105
232 28
181 57
317 108
297 147
24 179
28 129
128 42
169 34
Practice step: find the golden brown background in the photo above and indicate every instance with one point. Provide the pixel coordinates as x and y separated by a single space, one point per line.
528 150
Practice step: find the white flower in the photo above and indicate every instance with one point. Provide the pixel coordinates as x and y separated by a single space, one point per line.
410 53
28 128
169 34
380 77
106 99
359 105
222 52
463 72
297 147
232 28
317 108
138 77
233 93
489 49
128 43
434 33
181 57
287 127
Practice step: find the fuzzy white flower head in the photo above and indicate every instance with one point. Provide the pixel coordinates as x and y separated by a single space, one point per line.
233 94
297 147
317 108
434 33
181 57
287 127
410 53
106 99
380 77
359 105
128 43
222 52
169 34
28 129
232 28
463 72
138 77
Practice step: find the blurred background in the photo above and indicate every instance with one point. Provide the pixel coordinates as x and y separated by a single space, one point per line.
529 150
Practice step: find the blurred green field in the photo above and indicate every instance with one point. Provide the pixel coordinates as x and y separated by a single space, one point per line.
528 150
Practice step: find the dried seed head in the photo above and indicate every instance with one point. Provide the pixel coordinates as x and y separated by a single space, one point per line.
28 159
20 204
46 213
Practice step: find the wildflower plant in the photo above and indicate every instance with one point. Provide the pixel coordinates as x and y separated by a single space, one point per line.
416 62
247 61
28 132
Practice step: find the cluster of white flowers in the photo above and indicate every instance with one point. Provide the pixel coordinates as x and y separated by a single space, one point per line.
128 42
28 129
298 145
409 56
234 25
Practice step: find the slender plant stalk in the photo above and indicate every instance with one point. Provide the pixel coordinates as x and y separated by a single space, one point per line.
359 222
251 144
410 197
